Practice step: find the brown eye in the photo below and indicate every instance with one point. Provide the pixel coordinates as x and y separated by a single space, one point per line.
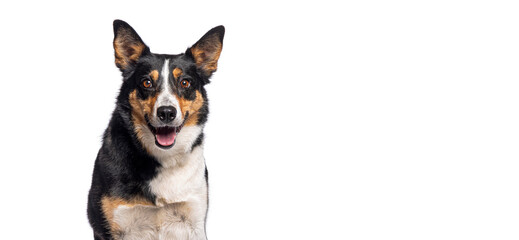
184 83
146 83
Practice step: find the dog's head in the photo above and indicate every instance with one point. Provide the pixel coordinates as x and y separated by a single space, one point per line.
163 95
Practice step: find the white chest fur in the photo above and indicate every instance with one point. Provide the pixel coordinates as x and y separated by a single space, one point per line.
180 208
183 182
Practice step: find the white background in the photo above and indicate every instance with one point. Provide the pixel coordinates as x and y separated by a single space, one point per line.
329 120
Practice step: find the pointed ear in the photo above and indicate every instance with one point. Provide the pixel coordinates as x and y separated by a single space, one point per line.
207 50
128 46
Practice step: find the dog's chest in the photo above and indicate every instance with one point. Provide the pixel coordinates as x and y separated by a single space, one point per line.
179 184
179 210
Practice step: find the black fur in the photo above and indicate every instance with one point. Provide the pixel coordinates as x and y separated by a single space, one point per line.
198 141
123 167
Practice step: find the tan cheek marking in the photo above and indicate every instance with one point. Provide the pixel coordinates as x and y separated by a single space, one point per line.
177 72
109 204
154 75
192 107
139 109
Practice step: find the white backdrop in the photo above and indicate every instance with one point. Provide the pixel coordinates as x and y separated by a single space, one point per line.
329 120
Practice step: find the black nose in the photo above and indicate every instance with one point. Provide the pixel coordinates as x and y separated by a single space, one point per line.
166 114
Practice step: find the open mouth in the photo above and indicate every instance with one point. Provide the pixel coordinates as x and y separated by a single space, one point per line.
165 136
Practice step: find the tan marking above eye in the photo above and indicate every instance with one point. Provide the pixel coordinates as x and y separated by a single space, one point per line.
177 72
154 75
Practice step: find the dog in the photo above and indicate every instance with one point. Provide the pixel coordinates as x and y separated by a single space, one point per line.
150 179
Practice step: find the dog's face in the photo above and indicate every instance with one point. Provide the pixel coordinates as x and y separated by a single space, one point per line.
163 95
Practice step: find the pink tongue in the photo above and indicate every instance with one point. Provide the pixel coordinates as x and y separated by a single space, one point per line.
166 139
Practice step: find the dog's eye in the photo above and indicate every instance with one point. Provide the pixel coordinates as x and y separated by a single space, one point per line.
147 83
184 83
